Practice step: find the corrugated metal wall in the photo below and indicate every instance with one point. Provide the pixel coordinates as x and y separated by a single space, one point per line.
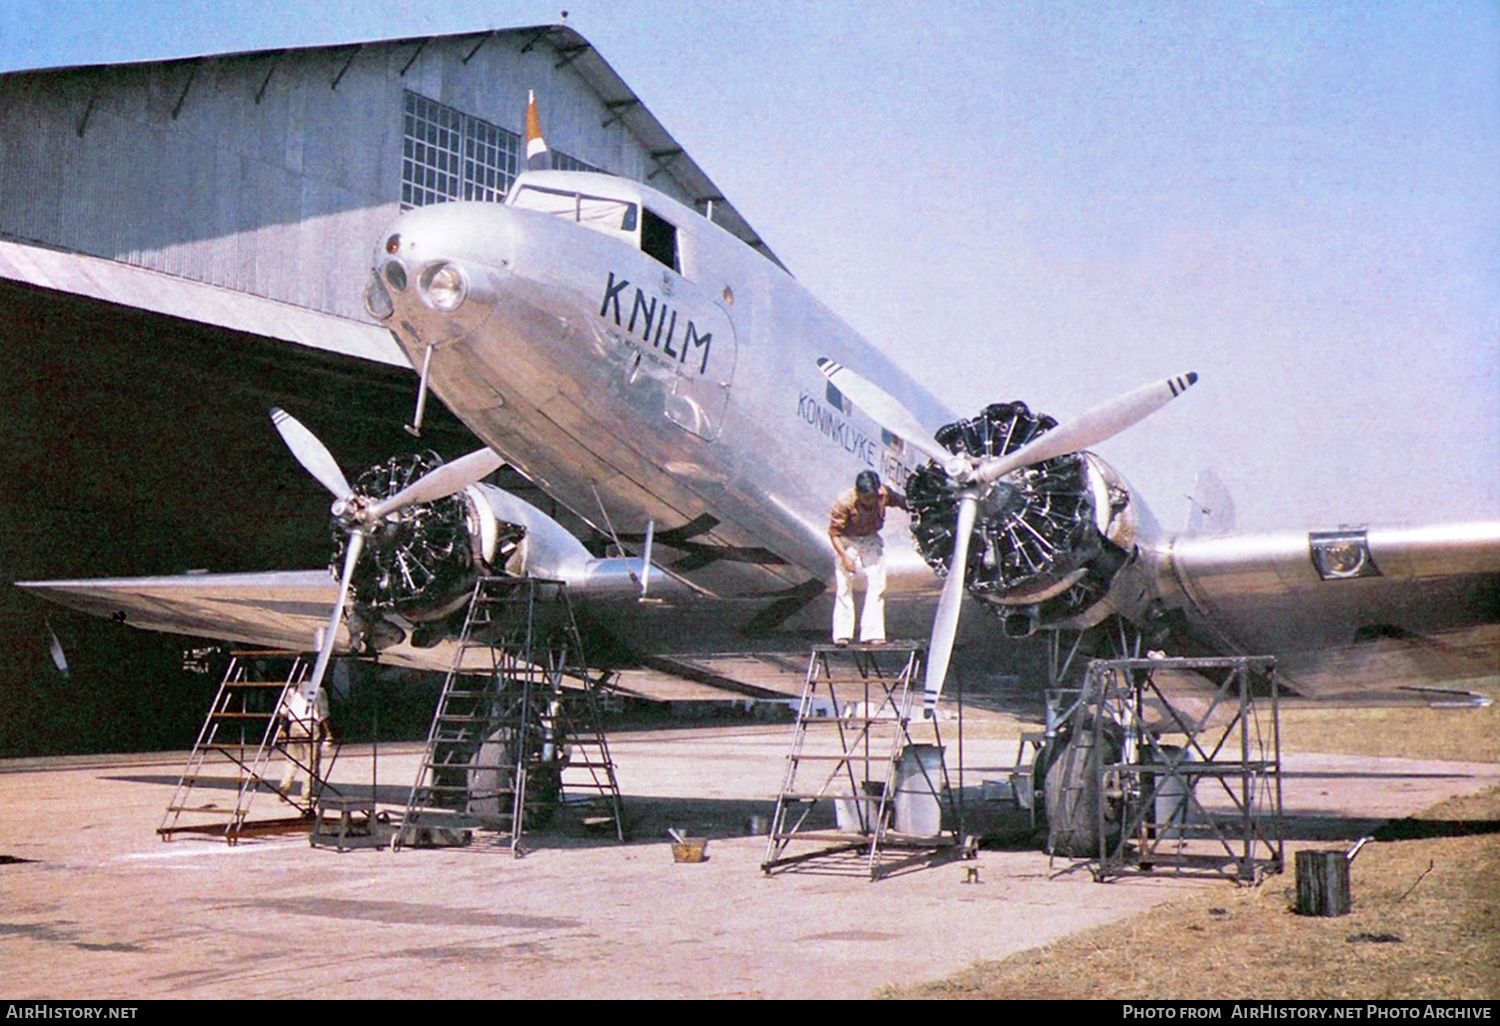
271 174
142 444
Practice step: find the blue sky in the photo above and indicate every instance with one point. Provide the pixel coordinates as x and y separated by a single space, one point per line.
1055 202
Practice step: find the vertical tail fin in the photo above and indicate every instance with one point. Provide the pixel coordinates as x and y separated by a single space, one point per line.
538 157
1212 511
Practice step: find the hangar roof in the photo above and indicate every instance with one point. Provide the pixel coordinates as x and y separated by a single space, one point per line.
573 49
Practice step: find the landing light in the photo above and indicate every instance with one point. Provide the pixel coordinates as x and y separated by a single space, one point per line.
444 287
1340 555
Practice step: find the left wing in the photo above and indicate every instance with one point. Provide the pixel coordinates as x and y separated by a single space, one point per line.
282 610
1349 609
288 609
434 530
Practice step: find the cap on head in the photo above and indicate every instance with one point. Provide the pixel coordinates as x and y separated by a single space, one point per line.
867 483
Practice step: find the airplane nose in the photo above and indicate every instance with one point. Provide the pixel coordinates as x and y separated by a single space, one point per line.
438 267
444 286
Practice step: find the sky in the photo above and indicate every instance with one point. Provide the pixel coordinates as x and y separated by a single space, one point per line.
1056 202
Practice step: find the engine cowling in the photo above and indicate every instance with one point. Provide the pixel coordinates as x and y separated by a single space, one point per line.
422 562
1049 538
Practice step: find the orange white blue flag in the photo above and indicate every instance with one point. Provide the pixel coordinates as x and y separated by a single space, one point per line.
538 157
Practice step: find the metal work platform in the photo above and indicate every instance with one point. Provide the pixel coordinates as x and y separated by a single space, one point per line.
861 776
1142 783
258 722
516 743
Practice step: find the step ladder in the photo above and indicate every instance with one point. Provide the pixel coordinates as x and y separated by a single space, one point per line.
516 735
258 726
861 776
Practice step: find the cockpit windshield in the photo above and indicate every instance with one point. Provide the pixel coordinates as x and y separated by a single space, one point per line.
597 212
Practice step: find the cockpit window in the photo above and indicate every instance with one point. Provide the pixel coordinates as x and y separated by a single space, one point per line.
597 212
659 240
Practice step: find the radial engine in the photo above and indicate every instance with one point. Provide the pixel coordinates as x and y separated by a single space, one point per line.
1050 538
421 562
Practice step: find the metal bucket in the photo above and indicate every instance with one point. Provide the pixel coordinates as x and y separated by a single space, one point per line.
854 815
1172 808
919 777
691 849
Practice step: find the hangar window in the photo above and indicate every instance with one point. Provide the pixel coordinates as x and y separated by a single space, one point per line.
490 155
448 155
562 162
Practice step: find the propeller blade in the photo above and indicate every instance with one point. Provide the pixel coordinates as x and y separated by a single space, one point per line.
311 453
1102 422
945 621
440 483
356 546
885 409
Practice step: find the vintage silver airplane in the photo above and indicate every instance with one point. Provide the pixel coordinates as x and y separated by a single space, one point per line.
686 396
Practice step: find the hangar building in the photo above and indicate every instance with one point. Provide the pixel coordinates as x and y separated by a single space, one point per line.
184 244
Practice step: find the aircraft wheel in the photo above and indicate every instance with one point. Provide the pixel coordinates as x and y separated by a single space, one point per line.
1073 797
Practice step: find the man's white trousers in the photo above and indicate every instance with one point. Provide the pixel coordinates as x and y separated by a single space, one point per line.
868 554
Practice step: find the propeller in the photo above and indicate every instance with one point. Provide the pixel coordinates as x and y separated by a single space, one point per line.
971 478
945 620
311 453
1100 423
440 483
362 517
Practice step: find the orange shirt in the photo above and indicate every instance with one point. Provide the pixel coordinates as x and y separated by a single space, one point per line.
848 519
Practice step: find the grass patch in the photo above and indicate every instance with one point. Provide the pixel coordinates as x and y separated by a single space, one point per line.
1426 924
1417 732
1412 731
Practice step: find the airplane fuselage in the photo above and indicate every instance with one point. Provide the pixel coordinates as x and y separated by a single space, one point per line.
645 367
653 373
633 391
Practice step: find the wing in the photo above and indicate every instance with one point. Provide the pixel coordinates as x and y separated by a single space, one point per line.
281 609
1352 609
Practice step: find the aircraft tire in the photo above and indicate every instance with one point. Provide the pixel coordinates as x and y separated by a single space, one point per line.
1072 794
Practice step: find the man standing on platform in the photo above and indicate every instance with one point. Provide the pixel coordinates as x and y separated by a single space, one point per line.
854 528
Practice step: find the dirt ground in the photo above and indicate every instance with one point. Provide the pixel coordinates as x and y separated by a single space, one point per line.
93 905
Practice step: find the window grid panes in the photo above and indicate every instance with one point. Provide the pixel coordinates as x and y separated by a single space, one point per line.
448 155
562 162
490 156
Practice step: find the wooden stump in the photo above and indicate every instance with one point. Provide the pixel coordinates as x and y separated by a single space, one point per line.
1323 883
